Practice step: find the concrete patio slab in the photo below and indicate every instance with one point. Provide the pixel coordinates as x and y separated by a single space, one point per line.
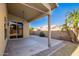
30 46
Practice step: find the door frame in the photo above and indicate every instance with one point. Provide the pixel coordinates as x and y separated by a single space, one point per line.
14 22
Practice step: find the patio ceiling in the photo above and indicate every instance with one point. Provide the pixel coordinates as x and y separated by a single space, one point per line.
29 11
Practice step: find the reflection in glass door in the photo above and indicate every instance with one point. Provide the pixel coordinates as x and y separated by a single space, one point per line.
16 30
19 30
13 30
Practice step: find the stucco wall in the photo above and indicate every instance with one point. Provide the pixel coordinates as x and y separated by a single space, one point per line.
25 29
3 14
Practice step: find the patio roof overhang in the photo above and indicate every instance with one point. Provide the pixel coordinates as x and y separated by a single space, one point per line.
30 11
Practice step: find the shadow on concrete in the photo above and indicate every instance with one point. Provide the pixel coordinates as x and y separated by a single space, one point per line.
67 50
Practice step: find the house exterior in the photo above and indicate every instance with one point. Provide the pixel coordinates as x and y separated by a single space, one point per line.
15 18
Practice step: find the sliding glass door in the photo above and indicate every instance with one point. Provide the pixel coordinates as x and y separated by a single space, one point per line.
16 30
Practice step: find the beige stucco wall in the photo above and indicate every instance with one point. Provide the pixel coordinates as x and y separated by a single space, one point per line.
25 29
3 14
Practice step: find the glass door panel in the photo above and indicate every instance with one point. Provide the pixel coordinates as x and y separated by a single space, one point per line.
13 33
19 30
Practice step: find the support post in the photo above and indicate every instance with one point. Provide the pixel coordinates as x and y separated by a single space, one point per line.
49 30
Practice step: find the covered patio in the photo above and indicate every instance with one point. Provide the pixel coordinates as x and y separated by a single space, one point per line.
19 15
28 12
30 45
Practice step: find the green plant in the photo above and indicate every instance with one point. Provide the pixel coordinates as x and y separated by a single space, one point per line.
73 19
67 29
31 28
42 34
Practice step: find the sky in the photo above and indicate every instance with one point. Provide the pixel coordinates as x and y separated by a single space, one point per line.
57 15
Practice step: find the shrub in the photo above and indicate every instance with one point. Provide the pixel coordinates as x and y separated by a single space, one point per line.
42 34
